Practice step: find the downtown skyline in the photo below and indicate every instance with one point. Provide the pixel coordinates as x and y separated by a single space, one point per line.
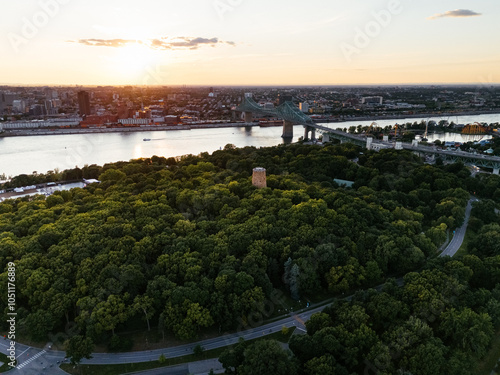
242 42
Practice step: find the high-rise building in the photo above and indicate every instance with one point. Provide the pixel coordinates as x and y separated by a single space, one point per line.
6 100
84 103
2 102
304 107
19 106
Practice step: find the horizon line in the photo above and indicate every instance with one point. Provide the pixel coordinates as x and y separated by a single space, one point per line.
257 85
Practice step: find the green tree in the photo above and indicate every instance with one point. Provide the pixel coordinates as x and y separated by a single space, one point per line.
266 357
144 304
108 314
468 330
198 350
39 324
232 357
294 282
317 322
77 348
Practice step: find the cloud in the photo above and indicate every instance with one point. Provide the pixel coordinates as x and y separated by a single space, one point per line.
177 43
106 42
457 13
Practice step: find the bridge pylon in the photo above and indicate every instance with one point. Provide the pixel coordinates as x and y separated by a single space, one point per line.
248 117
308 129
287 129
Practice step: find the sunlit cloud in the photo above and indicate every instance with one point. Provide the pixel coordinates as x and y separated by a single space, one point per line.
166 43
106 42
457 13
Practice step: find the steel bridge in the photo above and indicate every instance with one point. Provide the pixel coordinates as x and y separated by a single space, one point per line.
291 115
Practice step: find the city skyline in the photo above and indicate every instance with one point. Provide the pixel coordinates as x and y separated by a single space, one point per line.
237 42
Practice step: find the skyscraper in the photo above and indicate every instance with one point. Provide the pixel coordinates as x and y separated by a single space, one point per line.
84 103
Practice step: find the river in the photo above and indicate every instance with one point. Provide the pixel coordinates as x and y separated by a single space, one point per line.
42 153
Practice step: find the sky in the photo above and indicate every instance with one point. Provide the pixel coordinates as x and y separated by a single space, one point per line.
249 42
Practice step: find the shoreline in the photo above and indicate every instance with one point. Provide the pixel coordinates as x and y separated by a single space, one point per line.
138 129
422 115
41 132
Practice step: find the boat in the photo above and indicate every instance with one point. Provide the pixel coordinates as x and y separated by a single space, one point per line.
146 139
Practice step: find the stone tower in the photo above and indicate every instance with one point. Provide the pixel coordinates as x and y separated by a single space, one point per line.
259 178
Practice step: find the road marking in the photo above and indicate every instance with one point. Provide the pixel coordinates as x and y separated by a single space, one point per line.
30 360
298 319
22 353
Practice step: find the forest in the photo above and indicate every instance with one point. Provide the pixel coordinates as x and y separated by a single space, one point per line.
440 322
188 244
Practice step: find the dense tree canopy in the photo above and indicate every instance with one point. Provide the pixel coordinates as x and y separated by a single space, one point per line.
437 323
188 244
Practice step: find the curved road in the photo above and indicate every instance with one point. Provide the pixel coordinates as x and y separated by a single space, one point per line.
459 234
35 361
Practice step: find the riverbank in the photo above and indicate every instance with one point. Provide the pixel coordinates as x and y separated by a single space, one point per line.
34 132
420 115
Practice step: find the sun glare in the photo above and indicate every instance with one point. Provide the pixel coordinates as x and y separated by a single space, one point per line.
135 60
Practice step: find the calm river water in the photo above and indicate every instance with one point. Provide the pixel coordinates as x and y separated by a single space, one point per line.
42 153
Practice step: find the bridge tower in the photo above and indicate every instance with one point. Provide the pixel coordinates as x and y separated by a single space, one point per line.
248 117
308 129
287 129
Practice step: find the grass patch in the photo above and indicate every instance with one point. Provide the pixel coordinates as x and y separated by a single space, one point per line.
5 367
132 367
489 362
279 336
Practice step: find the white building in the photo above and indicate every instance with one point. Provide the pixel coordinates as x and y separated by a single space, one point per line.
134 121
304 107
40 124
19 105
372 100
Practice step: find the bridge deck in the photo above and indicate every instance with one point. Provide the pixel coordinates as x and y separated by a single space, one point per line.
289 112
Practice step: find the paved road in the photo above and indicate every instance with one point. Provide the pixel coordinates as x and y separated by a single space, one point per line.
296 320
35 361
458 237
199 367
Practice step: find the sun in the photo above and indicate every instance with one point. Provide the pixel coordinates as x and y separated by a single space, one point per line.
134 61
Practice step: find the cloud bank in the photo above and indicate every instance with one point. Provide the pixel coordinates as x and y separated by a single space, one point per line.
457 13
166 43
